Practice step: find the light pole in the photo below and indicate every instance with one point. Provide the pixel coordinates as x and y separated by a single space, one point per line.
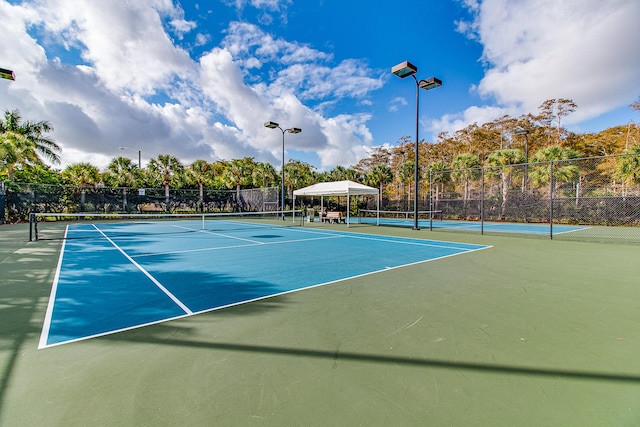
7 74
139 155
274 125
402 70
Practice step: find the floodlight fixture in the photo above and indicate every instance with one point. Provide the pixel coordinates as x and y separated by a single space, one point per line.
7 74
430 83
404 69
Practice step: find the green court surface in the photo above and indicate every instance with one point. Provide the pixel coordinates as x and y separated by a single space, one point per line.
532 332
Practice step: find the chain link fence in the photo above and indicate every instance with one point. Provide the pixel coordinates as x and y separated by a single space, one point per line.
17 200
600 195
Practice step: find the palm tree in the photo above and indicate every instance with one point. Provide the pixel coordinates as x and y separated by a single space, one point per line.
199 172
121 172
466 168
405 174
24 143
237 174
339 173
264 175
165 169
81 175
563 171
439 176
628 166
505 159
297 174
379 176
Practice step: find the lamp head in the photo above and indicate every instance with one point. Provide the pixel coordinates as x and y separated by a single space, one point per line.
404 69
7 74
430 83
294 130
521 132
271 125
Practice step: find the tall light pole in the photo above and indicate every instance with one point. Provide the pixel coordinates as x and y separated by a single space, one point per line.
402 70
139 155
274 125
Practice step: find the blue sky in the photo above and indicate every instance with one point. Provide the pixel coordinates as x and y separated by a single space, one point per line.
197 79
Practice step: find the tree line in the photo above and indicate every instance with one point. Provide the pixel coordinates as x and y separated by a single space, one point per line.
504 141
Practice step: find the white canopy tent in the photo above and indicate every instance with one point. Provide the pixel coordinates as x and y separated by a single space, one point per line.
337 188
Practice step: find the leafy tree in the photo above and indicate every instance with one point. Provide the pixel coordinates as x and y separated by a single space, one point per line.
505 159
39 173
377 156
553 110
23 143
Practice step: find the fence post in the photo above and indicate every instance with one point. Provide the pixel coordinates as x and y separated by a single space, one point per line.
551 186
482 202
430 200
2 203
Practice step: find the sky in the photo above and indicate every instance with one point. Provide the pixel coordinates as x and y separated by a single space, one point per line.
198 79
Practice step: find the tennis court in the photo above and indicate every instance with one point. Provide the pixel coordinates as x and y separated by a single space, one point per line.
413 330
116 276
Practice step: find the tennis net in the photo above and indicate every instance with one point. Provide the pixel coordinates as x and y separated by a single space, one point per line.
400 218
52 226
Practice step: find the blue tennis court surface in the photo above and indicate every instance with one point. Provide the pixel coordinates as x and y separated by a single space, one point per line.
114 277
494 227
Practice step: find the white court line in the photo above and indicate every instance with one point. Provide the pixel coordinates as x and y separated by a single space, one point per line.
219 234
146 273
46 327
235 246
400 240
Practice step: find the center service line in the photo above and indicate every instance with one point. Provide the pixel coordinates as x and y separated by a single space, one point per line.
146 273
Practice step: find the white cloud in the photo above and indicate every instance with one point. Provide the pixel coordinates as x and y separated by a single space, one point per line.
452 122
541 49
127 46
396 102
137 87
